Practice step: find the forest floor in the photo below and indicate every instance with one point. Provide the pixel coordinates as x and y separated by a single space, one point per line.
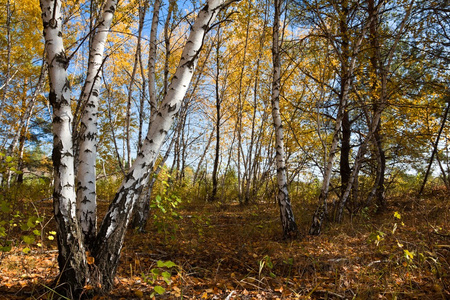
233 252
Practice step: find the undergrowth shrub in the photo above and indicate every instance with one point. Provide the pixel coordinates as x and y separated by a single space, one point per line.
21 224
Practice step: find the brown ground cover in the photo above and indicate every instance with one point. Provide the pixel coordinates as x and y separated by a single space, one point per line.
234 252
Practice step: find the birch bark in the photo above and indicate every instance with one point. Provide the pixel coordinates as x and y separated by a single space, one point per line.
286 214
71 257
143 206
86 173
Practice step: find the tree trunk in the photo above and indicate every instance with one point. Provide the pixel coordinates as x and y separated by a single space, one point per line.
287 216
108 244
142 210
140 215
344 162
5 87
218 121
152 59
345 169
86 171
71 257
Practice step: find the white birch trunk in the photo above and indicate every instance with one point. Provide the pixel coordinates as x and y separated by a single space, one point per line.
86 173
287 216
152 57
109 240
71 259
142 206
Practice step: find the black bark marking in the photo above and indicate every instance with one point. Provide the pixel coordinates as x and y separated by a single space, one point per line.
62 59
52 23
172 108
190 63
57 119
52 99
91 136
130 176
56 155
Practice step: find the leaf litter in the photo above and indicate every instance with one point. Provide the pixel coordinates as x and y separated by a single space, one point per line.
234 252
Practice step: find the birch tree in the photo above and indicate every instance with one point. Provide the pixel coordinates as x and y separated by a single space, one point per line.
98 266
86 173
286 214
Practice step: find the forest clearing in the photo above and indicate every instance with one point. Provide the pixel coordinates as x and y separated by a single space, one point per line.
224 149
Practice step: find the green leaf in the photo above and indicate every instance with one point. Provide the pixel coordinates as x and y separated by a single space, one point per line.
32 222
37 232
159 289
155 271
26 250
166 276
28 239
158 198
167 264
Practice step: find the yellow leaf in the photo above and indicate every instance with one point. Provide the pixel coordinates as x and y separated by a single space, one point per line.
90 260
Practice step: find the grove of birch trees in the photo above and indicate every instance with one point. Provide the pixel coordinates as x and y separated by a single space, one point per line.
330 103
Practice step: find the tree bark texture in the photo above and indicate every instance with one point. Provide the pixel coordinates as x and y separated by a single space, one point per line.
218 120
71 258
287 216
86 172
